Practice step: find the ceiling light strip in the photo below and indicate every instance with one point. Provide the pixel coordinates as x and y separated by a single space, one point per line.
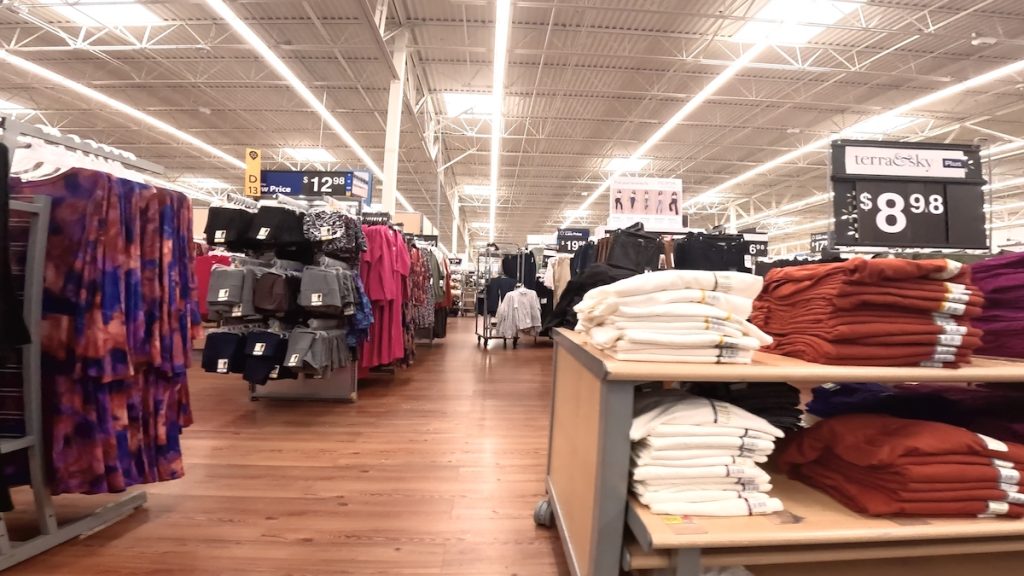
898 111
502 28
678 117
282 70
117 105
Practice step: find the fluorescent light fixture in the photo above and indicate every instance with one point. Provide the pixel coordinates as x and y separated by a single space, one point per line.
476 190
691 105
310 154
807 226
468 105
207 183
1005 184
106 13
792 22
11 107
312 101
882 125
502 28
118 105
626 164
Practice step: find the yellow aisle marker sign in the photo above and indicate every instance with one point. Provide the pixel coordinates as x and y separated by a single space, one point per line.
253 165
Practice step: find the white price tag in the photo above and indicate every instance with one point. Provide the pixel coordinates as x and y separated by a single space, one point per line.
275 372
997 508
236 310
958 298
258 348
993 444
1002 463
1012 488
956 330
748 261
263 234
326 233
293 360
223 294
951 340
222 366
316 299
220 236
952 308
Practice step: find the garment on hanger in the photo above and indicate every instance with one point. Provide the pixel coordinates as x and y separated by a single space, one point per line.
14 332
119 316
519 313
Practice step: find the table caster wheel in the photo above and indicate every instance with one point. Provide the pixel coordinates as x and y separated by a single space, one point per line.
543 515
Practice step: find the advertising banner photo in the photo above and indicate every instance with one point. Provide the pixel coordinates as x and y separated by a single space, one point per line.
655 202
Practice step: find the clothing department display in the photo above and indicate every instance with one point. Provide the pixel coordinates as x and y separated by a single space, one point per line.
882 312
699 457
674 316
699 251
119 315
1001 280
881 465
563 315
385 269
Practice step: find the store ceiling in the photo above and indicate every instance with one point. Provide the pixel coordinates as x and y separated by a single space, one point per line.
587 80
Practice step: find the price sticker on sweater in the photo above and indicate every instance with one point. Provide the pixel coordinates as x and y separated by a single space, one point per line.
293 360
276 372
316 299
223 294
263 233
220 236
222 366
236 310
258 349
326 233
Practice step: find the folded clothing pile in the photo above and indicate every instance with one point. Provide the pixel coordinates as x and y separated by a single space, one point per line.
777 402
990 409
1001 280
263 355
690 316
882 312
881 465
699 457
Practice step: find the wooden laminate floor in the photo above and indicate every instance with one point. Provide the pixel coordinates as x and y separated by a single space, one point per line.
433 471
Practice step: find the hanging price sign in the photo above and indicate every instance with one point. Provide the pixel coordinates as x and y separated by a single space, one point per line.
820 241
908 195
570 239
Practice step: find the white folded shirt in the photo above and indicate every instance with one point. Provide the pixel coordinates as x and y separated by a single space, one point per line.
672 472
603 338
699 496
661 484
670 358
738 507
707 325
736 305
738 283
683 408
729 442
644 454
657 489
695 462
708 430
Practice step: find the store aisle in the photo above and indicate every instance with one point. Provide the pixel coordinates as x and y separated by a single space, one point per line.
435 471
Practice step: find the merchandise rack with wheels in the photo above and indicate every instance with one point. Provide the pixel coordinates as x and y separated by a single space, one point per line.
588 477
484 323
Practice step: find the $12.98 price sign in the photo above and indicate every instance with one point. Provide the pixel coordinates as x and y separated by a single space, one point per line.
910 214
330 183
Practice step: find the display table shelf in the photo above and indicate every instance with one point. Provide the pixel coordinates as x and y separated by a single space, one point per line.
588 477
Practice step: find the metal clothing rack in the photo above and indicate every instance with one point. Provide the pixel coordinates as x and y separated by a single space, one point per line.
37 212
484 323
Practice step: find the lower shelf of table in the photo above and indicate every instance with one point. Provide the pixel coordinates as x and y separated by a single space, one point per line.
811 519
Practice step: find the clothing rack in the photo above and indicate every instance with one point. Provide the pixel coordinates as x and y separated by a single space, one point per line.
484 322
290 202
241 201
37 209
376 218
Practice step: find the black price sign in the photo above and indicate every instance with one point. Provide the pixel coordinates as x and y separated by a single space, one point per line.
820 241
756 245
330 183
908 195
570 239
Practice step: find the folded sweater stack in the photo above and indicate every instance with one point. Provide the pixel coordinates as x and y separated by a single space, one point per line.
1001 280
698 457
881 465
884 312
675 316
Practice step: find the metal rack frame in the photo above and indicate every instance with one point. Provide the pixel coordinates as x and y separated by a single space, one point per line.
482 322
51 533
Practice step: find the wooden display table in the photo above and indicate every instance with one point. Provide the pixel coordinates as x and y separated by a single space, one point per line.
588 477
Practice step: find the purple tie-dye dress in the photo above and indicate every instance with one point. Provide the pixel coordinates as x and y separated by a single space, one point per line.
119 315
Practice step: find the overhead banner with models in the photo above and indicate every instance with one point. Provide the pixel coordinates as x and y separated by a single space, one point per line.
654 202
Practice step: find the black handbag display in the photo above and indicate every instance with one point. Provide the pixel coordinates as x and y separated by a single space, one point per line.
633 249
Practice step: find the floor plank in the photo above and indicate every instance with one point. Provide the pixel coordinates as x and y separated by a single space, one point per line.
434 471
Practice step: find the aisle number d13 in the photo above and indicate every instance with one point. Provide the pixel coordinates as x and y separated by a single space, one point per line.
253 163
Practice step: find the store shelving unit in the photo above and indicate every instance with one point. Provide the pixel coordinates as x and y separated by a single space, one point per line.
588 477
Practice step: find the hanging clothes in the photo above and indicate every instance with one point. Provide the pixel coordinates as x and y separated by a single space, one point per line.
519 313
120 312
421 287
385 268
